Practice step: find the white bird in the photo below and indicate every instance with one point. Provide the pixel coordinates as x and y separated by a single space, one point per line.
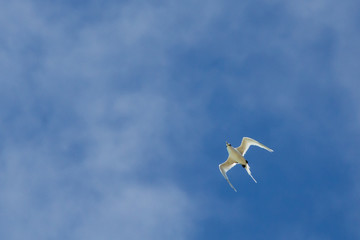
236 156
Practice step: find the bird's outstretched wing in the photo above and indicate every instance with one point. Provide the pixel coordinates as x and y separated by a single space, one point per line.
247 142
226 166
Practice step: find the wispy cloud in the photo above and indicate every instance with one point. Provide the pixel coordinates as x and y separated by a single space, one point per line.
85 111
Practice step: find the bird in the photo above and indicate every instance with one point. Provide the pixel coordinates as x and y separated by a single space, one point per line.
236 156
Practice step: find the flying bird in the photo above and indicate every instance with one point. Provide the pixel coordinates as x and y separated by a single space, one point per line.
236 156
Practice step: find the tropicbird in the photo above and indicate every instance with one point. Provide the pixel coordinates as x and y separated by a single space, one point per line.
236 156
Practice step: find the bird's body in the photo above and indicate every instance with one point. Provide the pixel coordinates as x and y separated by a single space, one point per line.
236 156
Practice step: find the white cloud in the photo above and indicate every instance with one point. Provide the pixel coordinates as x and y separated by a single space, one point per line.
139 212
86 119
43 198
81 178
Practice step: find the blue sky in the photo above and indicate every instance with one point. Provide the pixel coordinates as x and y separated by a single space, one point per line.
114 117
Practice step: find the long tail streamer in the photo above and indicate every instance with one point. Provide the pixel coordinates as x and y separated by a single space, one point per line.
249 172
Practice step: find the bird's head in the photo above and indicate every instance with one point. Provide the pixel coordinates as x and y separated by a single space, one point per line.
228 144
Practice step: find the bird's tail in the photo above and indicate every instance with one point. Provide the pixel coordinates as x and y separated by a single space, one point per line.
247 167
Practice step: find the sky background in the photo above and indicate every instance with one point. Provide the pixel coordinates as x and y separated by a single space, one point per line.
114 117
